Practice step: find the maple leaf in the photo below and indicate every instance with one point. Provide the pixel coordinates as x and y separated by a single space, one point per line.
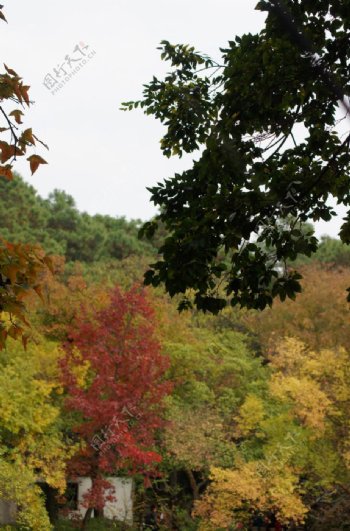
35 161
8 151
17 114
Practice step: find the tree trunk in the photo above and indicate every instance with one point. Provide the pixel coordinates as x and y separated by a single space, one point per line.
193 484
87 517
172 490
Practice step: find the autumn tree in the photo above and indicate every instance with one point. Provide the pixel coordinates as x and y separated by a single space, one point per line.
294 442
74 286
113 372
32 442
21 265
255 180
212 369
319 317
64 294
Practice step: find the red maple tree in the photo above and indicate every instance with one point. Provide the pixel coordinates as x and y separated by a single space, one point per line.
119 397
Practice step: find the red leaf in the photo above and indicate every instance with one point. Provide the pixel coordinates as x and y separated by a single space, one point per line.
7 151
5 171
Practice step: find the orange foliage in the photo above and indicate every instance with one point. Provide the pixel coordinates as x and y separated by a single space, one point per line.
320 316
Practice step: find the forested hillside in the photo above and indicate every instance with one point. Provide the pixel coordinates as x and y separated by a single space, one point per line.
57 225
223 422
61 229
117 410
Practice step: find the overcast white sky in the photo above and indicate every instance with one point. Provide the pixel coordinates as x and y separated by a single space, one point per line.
100 155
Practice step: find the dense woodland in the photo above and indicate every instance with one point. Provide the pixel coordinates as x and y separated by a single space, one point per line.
57 225
221 421
232 421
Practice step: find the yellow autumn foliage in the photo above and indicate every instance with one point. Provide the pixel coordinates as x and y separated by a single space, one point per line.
316 382
253 485
32 441
79 368
251 413
293 439
17 484
310 403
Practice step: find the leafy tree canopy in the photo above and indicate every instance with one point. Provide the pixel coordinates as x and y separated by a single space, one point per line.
113 371
291 452
270 155
60 228
32 442
330 251
319 317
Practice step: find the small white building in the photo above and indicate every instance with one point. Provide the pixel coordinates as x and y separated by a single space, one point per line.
120 509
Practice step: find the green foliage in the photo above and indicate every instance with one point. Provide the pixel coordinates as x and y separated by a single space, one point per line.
17 484
330 251
217 368
184 521
212 371
58 226
252 170
289 451
95 524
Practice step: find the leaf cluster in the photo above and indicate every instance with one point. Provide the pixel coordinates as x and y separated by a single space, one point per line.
253 169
